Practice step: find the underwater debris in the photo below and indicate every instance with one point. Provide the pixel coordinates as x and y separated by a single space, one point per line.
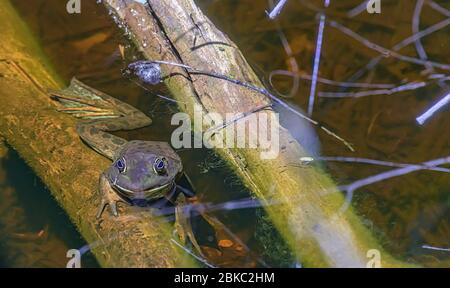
359 94
351 188
305 76
438 8
277 9
378 162
235 251
312 94
188 251
430 112
435 248
292 62
358 9
407 41
415 23
384 51
225 243
317 55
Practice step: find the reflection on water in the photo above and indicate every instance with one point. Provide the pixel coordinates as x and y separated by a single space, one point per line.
404 212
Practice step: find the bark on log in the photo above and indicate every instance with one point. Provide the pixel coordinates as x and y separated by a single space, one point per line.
308 219
48 142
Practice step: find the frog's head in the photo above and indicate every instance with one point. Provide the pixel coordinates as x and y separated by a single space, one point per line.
141 174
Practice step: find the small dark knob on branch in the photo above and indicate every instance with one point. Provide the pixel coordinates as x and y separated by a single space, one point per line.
147 71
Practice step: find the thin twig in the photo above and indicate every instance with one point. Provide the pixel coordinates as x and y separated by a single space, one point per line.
384 51
312 94
350 189
438 8
277 10
406 87
189 252
378 162
435 248
358 9
424 117
292 61
411 39
307 77
415 29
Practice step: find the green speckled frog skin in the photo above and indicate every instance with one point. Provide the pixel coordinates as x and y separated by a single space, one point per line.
142 171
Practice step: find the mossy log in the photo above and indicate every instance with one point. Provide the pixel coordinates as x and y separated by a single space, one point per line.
308 217
48 142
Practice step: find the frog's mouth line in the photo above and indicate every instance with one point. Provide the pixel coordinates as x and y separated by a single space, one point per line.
145 194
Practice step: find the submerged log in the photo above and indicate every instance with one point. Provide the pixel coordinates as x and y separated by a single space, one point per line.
305 213
48 142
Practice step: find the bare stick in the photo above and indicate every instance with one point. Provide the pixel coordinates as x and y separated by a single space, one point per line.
277 10
435 248
424 117
438 8
384 51
358 9
350 189
406 87
378 162
374 62
330 82
415 29
312 93
292 61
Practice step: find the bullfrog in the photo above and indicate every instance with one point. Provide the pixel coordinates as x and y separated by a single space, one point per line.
141 171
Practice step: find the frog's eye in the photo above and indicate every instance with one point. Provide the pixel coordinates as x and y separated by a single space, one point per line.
120 165
160 166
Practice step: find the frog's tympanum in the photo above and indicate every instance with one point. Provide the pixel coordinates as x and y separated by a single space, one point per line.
142 171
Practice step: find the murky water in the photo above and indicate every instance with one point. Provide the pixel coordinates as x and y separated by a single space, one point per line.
405 212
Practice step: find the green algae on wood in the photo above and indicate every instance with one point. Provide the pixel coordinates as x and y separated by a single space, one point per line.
48 142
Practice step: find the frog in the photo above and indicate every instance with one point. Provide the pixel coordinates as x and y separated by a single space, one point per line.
141 172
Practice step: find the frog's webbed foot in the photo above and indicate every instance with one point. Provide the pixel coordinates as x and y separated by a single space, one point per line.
85 102
109 197
182 197
183 225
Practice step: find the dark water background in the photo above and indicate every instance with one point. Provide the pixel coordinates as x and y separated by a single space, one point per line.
404 212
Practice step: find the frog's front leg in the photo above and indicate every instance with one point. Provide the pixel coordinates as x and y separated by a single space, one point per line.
109 197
